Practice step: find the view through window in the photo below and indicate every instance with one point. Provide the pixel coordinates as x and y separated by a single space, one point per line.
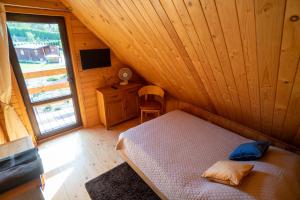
41 58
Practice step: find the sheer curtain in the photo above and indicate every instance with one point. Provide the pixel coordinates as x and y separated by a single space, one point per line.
14 126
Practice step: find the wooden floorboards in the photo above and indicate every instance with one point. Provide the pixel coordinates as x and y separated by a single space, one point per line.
73 159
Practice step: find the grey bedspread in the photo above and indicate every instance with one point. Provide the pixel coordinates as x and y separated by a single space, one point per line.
176 148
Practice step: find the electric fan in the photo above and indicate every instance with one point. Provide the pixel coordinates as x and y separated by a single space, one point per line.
125 74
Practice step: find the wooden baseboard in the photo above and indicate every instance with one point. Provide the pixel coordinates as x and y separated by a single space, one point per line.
58 135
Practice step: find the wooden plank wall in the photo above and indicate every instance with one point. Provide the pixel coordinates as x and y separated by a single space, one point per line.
79 38
236 58
174 104
17 103
91 79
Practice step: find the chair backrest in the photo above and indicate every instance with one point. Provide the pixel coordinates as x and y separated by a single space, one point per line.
151 90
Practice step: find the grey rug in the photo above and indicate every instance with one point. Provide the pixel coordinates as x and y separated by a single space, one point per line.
120 183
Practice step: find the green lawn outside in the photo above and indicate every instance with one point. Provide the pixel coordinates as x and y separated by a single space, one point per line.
30 67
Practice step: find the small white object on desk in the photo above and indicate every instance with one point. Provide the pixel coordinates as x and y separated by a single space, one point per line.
125 74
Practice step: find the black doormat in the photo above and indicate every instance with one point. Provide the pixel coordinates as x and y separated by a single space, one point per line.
120 183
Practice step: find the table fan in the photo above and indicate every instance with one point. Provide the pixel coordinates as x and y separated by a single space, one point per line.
125 74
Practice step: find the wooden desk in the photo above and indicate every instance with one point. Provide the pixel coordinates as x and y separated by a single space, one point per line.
118 105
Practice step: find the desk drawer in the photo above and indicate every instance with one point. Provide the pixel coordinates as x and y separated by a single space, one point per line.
133 91
113 97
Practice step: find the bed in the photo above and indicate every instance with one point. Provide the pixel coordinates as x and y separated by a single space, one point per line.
171 152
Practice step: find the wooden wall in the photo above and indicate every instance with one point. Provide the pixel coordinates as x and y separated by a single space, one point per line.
79 38
17 103
174 104
90 80
236 58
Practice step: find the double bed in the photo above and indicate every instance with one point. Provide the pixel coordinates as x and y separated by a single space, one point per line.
171 152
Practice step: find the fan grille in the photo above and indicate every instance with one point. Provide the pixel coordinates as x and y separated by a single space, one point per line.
125 74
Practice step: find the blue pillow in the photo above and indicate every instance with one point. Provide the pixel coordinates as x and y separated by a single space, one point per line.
250 151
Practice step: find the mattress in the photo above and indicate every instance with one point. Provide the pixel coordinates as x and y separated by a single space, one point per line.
173 150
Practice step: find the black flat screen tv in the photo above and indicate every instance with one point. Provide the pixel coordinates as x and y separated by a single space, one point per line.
95 58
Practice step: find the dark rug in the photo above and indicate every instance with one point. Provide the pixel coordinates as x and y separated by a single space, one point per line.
120 183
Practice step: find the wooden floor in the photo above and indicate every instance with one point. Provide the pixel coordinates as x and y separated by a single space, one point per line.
73 159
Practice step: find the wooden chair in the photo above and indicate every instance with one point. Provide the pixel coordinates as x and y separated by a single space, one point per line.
151 100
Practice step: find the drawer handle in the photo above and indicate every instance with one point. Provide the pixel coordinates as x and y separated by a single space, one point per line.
115 96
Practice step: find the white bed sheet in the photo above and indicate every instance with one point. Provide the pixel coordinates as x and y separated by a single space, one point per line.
176 148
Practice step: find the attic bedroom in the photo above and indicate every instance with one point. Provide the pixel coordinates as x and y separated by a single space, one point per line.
149 100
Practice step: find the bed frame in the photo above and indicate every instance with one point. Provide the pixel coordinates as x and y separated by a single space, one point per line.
142 175
126 156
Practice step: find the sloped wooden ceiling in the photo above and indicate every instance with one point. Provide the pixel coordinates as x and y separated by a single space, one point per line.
236 58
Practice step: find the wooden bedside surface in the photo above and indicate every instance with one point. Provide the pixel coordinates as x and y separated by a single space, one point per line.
118 105
109 90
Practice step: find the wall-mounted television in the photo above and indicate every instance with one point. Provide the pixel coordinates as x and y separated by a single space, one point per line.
94 58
